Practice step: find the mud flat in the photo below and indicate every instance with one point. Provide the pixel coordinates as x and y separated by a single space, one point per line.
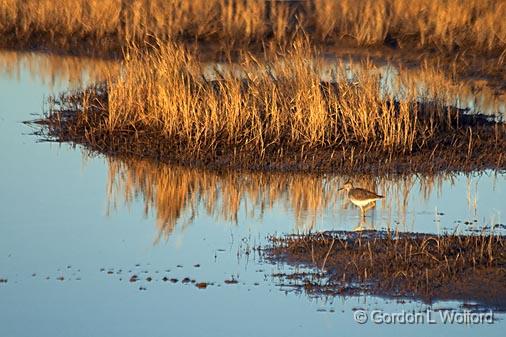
425 267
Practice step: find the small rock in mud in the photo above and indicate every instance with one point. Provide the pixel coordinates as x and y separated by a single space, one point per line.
142 288
179 266
186 280
231 281
201 285
110 272
33 275
134 278
60 278
174 280
3 280
149 279
197 265
165 279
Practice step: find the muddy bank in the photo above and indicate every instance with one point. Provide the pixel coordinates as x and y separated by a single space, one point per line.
423 267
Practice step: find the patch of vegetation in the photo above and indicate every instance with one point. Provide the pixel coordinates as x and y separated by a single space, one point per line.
419 266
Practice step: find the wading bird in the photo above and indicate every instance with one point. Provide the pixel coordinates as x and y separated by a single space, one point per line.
359 196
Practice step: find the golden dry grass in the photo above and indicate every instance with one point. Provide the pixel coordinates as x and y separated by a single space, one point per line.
280 105
113 24
445 24
166 104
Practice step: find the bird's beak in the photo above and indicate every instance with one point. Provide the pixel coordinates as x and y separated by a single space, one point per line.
339 190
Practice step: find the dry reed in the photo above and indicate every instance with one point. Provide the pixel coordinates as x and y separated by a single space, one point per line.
114 24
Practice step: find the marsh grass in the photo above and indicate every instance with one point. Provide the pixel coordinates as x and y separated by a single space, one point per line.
424 266
112 25
162 105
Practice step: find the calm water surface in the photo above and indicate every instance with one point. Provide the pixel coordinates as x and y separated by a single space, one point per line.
75 228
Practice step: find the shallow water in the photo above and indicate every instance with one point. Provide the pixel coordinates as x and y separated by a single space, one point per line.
96 221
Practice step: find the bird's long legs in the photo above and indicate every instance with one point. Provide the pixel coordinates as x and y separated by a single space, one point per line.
364 209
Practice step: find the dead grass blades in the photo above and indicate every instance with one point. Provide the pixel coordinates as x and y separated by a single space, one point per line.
114 24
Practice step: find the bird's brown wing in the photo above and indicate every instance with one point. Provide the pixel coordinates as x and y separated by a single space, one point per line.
363 194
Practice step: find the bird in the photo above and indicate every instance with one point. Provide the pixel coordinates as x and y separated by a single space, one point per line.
360 196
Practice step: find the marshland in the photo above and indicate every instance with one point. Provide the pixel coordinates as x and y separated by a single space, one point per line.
177 166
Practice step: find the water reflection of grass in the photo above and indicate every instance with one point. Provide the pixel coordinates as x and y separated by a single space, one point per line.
176 195
57 70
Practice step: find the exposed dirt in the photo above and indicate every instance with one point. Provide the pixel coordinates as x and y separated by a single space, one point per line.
419 266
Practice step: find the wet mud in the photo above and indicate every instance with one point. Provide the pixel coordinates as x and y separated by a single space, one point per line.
394 265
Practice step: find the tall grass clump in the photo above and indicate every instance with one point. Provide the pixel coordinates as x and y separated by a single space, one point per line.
167 104
281 104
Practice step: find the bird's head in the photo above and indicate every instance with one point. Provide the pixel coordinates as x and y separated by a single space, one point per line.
347 186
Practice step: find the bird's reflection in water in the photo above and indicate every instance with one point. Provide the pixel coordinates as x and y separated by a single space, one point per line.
365 222
364 225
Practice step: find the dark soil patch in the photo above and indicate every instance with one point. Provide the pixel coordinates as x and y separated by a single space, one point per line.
419 266
201 285
231 281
